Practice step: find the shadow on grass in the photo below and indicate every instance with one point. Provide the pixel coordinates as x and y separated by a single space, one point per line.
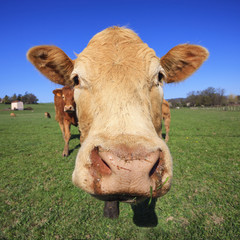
144 214
76 147
74 136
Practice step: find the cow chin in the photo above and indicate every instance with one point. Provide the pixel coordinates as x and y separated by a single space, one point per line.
113 170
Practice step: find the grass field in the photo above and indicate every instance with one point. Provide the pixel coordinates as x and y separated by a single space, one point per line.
39 201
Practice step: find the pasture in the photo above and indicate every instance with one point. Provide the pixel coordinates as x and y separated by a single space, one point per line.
39 201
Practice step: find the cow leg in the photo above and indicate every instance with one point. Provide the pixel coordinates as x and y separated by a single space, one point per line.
67 135
62 128
111 209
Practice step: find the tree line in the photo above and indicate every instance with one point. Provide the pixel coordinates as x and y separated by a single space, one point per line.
27 98
208 97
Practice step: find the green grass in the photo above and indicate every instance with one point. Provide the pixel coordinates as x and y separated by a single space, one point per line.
39 201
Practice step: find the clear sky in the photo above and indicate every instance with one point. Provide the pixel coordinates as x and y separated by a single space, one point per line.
162 24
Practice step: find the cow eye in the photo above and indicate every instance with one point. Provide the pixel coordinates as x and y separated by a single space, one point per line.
76 80
160 77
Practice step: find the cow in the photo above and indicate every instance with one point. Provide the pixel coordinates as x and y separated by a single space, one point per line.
47 115
166 116
12 114
65 109
116 89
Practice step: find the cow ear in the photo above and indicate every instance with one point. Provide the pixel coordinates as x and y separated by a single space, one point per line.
52 62
57 92
182 61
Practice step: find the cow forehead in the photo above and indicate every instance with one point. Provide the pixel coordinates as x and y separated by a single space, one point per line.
116 51
67 92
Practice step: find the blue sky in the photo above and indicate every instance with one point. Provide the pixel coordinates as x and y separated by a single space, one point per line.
161 24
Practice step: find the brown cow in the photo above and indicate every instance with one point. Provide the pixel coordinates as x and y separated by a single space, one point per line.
166 118
65 113
116 79
47 115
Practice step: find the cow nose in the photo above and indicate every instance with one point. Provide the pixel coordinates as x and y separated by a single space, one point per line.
68 108
129 164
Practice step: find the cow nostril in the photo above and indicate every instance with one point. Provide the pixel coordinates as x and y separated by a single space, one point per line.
98 164
154 168
105 164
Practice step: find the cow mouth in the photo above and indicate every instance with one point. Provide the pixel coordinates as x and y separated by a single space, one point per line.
69 111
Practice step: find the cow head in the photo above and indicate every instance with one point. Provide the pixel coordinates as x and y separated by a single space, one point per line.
116 80
66 93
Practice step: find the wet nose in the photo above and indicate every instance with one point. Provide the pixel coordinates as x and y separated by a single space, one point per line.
126 172
68 108
108 162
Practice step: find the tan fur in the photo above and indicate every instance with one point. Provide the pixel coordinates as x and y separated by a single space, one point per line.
12 114
118 99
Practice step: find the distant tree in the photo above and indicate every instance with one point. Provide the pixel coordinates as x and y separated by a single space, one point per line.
232 99
207 97
6 99
13 98
173 103
32 99
19 97
29 98
24 97
221 99
191 99
177 102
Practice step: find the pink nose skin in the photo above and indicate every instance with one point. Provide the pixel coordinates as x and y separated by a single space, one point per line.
69 108
128 173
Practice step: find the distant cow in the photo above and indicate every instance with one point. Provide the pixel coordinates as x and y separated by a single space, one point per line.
47 115
116 79
12 114
166 118
65 108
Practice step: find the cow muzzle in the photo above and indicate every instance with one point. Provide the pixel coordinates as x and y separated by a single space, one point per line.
126 174
69 108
